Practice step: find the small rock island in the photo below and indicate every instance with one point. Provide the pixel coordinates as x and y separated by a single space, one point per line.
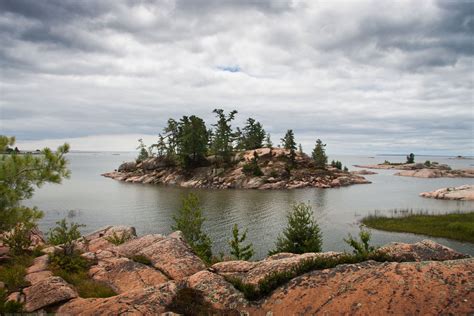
240 174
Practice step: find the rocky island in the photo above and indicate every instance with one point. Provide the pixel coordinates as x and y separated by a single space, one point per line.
271 161
462 193
422 170
173 279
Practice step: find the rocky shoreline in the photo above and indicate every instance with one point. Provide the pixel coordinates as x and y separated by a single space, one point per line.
177 279
462 193
419 170
272 163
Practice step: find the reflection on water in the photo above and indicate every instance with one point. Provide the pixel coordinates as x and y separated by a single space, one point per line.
97 201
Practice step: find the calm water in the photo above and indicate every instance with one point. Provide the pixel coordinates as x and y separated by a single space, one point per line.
97 201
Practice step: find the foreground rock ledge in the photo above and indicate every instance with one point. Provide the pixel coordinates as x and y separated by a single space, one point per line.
272 162
463 193
438 280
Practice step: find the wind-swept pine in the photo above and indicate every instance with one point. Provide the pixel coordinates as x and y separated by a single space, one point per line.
192 139
189 221
288 142
252 135
142 151
239 251
319 155
301 234
19 174
411 158
223 136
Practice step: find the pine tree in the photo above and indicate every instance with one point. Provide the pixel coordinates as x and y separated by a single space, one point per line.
302 233
252 135
189 221
288 142
192 140
411 158
319 155
237 250
223 135
268 141
143 152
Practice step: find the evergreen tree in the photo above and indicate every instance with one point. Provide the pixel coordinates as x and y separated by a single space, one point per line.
300 149
268 141
143 152
252 136
19 174
411 158
192 140
288 142
171 134
319 155
252 167
223 135
189 221
302 233
237 250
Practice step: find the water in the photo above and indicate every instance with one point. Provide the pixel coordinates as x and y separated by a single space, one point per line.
96 201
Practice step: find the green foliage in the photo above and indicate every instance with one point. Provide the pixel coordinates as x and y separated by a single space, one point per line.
346 169
252 136
192 141
223 136
252 167
64 235
386 162
239 251
428 163
9 307
457 226
142 151
288 142
336 164
189 301
74 269
411 158
302 233
14 271
319 155
19 174
118 239
362 248
189 221
141 259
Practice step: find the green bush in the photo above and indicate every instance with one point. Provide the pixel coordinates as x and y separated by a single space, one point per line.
18 239
65 235
118 239
8 307
189 221
237 250
302 233
362 248
252 167
70 263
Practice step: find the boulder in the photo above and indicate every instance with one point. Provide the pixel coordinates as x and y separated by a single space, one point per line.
134 246
39 264
425 250
127 167
123 274
173 257
150 301
37 277
369 288
464 192
50 291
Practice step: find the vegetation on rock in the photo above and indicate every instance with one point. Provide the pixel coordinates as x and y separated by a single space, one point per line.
239 251
319 155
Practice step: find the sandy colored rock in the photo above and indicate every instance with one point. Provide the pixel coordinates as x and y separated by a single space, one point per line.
52 290
134 246
37 277
150 301
436 173
363 172
123 274
39 264
424 288
174 258
464 193
425 250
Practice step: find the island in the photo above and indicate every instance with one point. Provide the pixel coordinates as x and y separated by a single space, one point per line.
262 168
422 170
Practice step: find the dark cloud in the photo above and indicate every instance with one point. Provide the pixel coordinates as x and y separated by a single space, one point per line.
369 75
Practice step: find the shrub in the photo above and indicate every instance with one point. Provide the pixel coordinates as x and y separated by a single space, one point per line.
18 239
13 273
252 167
70 263
9 307
362 248
65 235
189 221
193 302
411 158
428 163
118 239
302 233
237 250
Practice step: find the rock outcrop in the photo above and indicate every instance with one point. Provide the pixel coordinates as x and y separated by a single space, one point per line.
463 193
436 280
272 162
419 170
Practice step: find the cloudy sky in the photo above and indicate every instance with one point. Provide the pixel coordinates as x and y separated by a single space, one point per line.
367 77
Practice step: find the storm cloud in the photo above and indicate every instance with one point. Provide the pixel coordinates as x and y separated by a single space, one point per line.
365 76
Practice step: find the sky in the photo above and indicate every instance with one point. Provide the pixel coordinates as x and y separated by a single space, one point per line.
367 77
